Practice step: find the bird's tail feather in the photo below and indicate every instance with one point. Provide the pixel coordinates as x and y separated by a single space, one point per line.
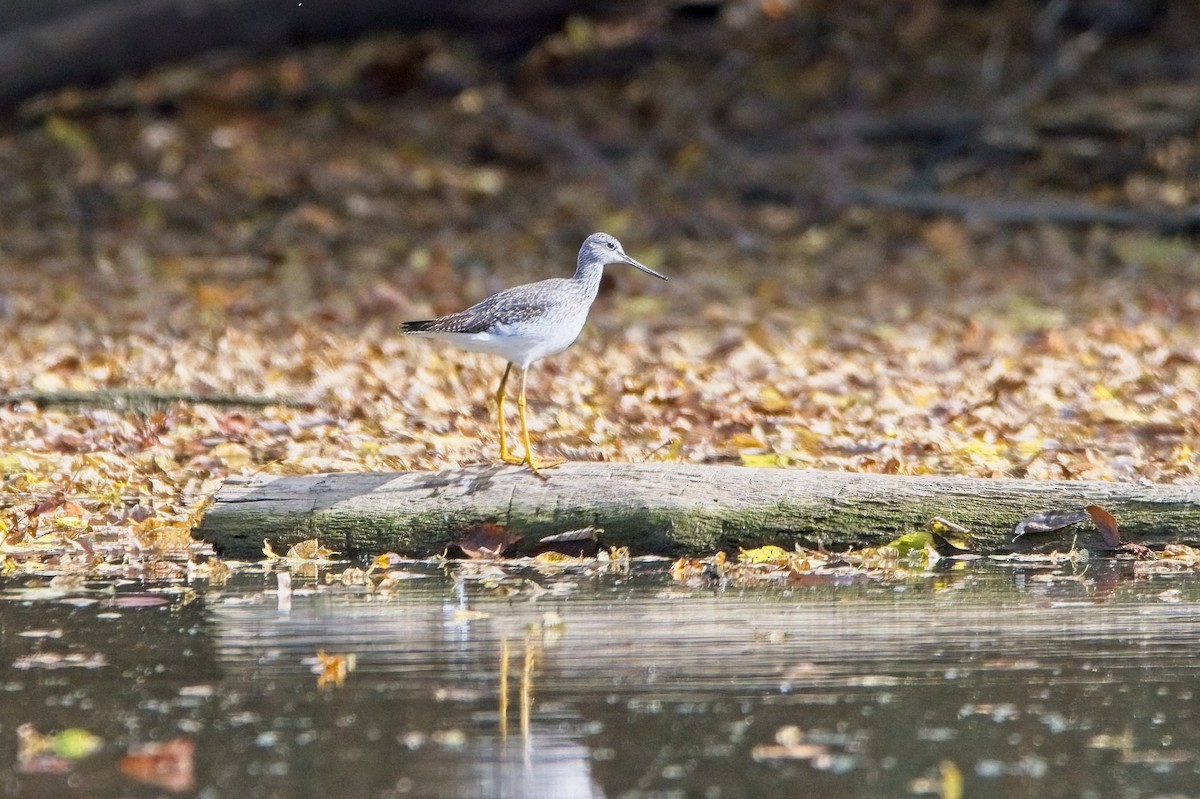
420 326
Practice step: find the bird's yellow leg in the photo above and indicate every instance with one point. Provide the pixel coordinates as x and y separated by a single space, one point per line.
529 461
505 456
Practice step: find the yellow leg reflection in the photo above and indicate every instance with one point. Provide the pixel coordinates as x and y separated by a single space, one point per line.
503 688
527 688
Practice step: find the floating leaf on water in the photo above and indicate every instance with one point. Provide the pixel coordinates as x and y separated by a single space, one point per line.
50 660
789 745
613 554
169 765
952 780
309 549
1110 741
332 668
52 754
54 633
387 560
138 601
556 558
31 743
1049 521
75 743
765 554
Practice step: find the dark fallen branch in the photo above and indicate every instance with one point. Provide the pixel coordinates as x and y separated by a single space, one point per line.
54 43
667 508
142 398
1025 211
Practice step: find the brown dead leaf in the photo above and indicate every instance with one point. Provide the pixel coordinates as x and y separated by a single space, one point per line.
332 668
235 425
789 745
1106 523
309 549
168 765
484 541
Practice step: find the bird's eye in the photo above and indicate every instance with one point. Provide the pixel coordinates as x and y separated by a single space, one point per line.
611 246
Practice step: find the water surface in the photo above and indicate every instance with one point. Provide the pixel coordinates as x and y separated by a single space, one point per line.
1027 681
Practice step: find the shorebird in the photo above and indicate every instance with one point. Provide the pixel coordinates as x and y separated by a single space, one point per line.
526 323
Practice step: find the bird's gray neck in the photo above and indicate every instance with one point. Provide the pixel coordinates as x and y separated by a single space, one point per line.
587 274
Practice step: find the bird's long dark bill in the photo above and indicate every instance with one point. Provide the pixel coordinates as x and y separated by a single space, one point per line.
644 268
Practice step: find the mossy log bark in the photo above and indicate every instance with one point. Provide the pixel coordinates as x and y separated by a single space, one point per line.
673 508
143 399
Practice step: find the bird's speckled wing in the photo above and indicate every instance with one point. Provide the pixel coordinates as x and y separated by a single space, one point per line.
517 306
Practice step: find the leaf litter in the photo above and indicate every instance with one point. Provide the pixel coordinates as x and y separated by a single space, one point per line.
960 351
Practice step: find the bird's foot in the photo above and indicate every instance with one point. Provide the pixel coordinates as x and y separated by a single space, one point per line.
535 464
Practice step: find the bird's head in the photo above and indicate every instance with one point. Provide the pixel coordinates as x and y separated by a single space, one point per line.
604 249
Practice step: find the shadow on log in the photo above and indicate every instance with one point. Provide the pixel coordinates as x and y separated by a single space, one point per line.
672 509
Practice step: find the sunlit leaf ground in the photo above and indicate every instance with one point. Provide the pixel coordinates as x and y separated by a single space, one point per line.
261 229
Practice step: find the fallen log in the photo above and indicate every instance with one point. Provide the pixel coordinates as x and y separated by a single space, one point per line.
670 509
144 399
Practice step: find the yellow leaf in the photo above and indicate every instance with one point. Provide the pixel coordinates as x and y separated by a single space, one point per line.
766 460
983 449
768 554
555 557
1028 449
49 381
332 668
746 441
952 780
75 523
771 401
232 454
910 542
74 743
68 133
1118 412
956 535
309 549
